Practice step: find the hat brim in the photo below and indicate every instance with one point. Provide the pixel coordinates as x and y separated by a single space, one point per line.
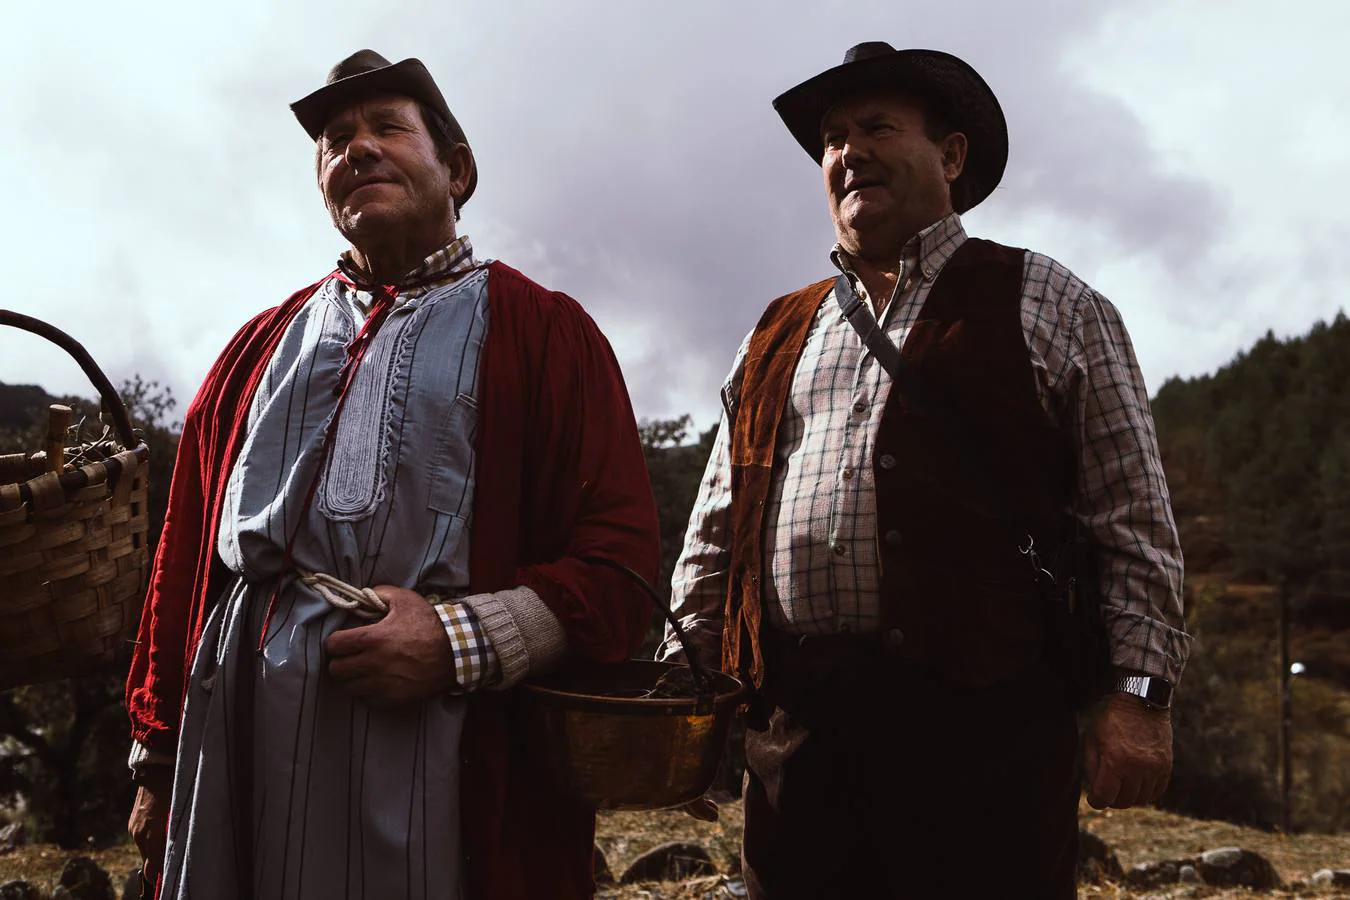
408 78
951 90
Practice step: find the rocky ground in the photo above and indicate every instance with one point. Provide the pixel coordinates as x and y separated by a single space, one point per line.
1137 838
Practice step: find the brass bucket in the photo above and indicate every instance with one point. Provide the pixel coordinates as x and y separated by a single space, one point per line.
611 744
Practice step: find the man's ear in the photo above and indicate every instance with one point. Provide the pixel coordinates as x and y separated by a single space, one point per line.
953 155
461 165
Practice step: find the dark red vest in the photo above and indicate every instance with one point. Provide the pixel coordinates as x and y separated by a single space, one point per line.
956 593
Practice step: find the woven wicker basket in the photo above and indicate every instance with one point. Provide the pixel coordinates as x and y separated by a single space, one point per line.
73 550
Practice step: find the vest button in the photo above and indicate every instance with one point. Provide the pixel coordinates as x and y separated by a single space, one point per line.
894 538
887 461
894 638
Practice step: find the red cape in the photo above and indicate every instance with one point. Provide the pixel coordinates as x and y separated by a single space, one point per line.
560 476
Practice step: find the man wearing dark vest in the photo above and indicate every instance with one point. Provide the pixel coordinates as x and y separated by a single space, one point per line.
874 556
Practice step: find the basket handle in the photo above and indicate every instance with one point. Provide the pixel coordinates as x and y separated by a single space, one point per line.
111 401
703 685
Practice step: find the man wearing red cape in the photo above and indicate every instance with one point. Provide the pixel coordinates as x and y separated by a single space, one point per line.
383 507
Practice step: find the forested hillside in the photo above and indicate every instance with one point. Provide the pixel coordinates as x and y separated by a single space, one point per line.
1258 461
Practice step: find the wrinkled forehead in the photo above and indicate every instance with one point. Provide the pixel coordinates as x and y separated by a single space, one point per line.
376 107
870 104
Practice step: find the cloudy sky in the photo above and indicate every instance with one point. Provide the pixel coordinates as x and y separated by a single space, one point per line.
1187 158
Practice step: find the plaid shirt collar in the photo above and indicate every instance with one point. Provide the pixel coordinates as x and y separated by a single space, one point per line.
930 248
447 264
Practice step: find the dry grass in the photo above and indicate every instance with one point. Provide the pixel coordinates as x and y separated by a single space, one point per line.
1137 836
40 864
1145 835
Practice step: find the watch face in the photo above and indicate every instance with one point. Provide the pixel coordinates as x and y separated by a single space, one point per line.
1157 692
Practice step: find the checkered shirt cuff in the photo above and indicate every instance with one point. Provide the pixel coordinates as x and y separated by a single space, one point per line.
476 662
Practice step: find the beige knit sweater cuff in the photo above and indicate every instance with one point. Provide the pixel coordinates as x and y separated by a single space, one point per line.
527 638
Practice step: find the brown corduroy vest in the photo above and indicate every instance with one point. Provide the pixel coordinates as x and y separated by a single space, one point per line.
956 593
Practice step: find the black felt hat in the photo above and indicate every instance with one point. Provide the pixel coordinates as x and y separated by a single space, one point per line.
366 74
950 89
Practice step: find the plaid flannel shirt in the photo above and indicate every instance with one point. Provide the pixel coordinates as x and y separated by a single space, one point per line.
820 549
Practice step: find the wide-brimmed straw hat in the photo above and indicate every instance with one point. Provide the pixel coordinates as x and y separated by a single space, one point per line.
949 88
366 74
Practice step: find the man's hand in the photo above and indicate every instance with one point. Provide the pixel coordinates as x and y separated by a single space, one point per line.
1127 754
149 822
406 656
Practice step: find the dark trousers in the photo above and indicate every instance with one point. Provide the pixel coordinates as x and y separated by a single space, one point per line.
873 779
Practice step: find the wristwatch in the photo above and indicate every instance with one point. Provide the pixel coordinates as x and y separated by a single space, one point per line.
1152 691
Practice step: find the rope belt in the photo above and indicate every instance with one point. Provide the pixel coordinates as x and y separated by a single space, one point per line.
361 602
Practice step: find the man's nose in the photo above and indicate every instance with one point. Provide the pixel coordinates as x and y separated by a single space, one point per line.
854 151
363 147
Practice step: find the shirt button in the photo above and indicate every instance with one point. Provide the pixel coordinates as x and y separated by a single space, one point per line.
848 473
844 629
887 461
894 538
840 549
894 638
860 407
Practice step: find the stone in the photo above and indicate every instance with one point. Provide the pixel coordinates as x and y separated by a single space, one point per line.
1188 875
18 890
1331 878
84 879
1095 859
675 861
735 888
1157 874
1235 867
12 836
600 868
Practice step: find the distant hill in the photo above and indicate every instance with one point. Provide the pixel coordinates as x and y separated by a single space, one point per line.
22 405
1258 460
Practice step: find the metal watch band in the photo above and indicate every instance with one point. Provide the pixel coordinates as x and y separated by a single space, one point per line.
1156 693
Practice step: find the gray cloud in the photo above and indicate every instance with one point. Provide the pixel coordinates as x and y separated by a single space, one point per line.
628 156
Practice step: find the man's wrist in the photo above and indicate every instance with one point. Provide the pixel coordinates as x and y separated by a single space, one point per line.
1152 691
145 763
153 774
475 660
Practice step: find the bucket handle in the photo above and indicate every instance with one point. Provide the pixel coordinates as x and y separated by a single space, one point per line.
702 680
111 401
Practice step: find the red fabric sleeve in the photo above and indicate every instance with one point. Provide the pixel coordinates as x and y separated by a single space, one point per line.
587 457
560 475
560 470
154 683
185 577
